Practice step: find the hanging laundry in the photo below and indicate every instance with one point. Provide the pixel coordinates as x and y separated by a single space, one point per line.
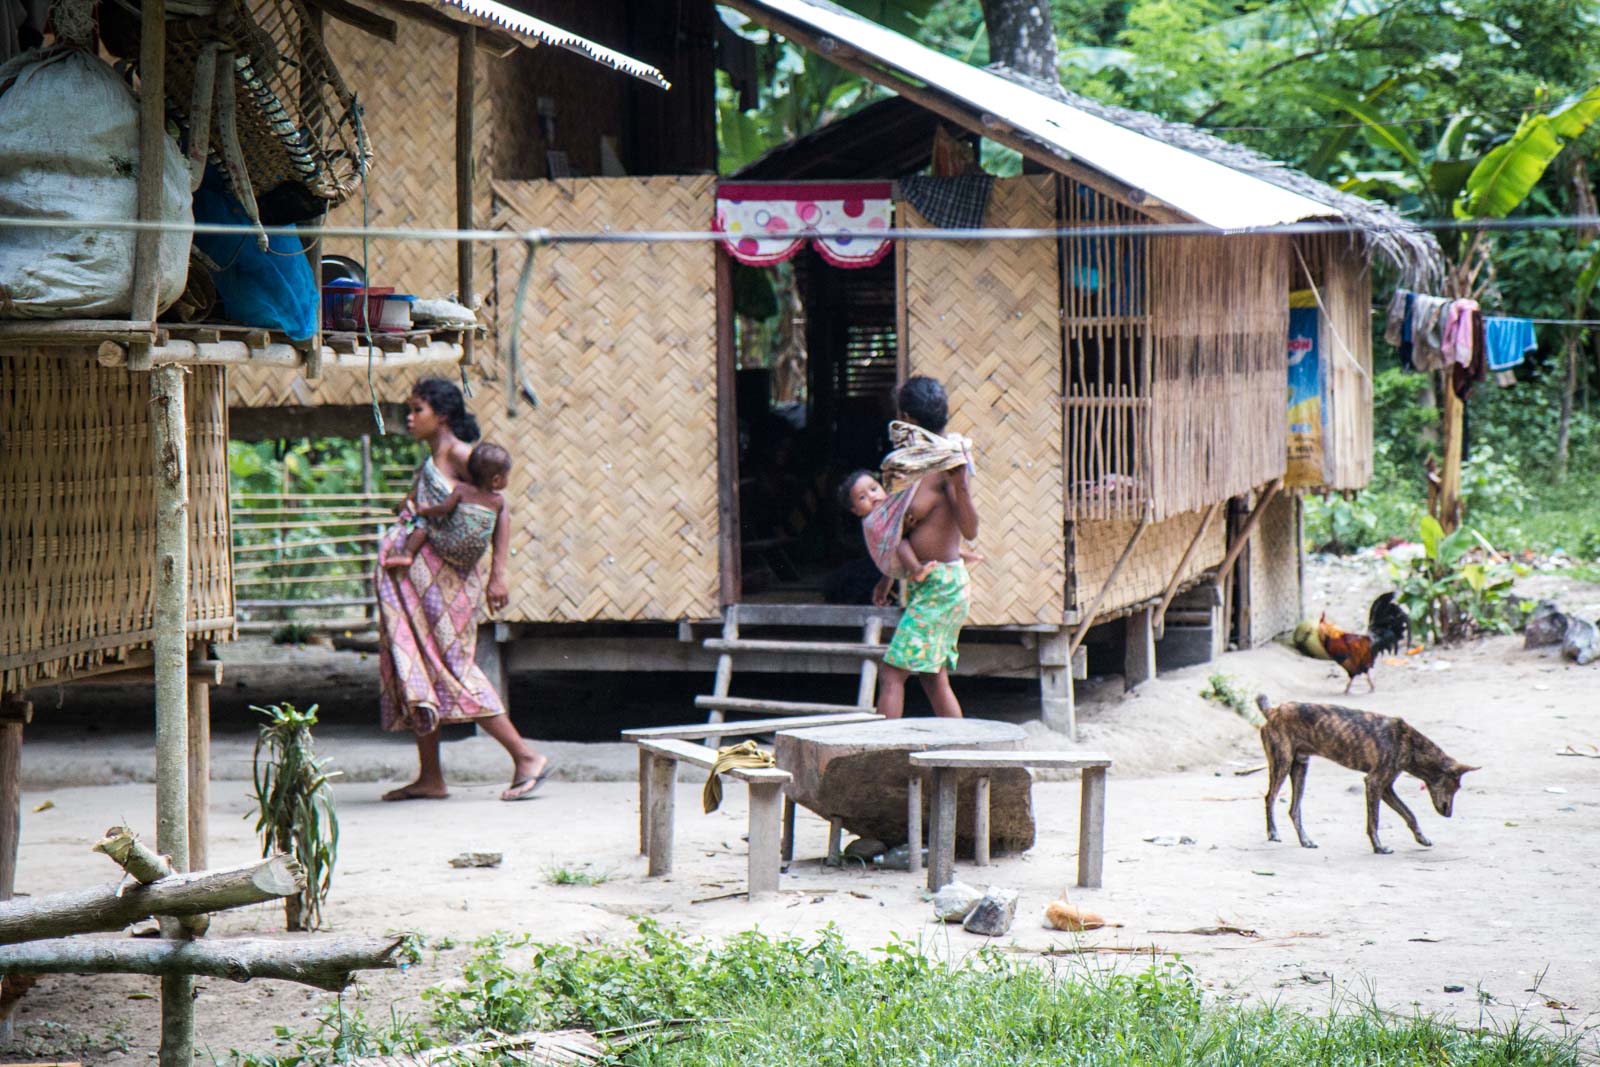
1406 349
1459 325
1395 321
1427 331
1463 376
1508 340
949 203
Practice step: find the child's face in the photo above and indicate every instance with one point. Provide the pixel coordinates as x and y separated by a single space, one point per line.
865 495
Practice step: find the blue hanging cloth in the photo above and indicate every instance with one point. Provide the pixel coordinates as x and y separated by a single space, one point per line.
272 287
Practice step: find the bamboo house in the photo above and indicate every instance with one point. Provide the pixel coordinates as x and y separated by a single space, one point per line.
1127 390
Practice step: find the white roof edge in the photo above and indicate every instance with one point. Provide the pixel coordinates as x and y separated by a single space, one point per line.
1205 190
536 31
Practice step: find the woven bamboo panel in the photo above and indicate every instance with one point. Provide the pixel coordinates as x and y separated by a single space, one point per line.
615 478
1220 315
983 318
77 513
1275 594
1343 281
407 91
1098 545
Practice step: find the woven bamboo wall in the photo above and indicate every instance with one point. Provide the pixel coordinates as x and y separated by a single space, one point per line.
1275 596
407 91
983 318
615 477
1098 545
1343 279
1220 315
77 513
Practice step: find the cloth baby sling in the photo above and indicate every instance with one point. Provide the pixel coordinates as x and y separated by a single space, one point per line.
916 452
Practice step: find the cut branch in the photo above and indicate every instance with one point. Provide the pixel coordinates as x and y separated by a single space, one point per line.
107 908
133 855
326 964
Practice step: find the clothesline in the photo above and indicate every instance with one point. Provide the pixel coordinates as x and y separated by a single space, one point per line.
1378 309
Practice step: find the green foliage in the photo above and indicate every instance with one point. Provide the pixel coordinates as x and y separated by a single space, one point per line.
1223 690
758 1002
1452 590
576 876
294 806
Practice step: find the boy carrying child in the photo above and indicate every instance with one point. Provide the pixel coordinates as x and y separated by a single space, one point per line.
916 535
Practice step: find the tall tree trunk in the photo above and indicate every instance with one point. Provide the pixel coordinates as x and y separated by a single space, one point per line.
1022 37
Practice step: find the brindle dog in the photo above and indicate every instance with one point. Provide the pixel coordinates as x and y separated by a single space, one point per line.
1379 745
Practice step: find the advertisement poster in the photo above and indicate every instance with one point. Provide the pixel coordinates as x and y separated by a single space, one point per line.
1306 412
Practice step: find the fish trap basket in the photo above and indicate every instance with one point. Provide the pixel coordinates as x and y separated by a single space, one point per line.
299 127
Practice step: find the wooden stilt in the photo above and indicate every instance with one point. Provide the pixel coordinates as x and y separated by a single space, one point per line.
1057 707
172 676
14 715
914 822
200 679
1139 649
466 85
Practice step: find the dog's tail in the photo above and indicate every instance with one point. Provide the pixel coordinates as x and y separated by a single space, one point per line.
1262 702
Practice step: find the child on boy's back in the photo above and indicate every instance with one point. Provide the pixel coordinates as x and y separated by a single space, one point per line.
467 517
860 494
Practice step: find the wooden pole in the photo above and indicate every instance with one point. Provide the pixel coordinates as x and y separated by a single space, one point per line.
1449 515
172 680
1243 537
1183 565
466 86
111 907
14 715
1087 622
199 758
727 435
152 157
326 963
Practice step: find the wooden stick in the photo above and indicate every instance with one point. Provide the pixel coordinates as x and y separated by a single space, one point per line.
152 159
199 758
466 84
14 714
1177 573
1094 605
1250 525
325 963
142 863
106 908
729 556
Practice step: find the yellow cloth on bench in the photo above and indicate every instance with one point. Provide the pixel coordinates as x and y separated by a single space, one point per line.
745 755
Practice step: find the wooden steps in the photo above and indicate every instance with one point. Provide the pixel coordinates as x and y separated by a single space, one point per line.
803 648
867 623
789 708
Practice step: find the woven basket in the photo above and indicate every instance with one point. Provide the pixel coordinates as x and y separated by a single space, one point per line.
298 123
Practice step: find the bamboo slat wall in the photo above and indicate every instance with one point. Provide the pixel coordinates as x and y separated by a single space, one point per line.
1275 596
614 486
407 92
982 318
1219 312
1106 327
1343 280
1097 545
77 513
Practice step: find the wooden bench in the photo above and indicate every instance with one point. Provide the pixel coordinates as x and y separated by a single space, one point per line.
942 827
766 809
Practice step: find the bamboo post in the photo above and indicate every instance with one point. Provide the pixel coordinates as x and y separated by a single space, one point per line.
1087 623
152 163
466 80
1183 565
14 715
172 680
1243 536
199 756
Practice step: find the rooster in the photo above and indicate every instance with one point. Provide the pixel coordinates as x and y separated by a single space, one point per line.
1388 627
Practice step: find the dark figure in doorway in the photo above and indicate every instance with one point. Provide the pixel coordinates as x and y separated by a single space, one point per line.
941 514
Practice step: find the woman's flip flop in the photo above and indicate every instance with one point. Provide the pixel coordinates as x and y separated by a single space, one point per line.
523 788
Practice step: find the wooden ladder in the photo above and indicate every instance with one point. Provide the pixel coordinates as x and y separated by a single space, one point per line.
869 649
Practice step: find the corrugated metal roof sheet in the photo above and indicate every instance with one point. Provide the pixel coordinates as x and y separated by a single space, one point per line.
1202 189
532 31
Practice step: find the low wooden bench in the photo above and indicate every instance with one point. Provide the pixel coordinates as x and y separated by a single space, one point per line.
766 809
942 826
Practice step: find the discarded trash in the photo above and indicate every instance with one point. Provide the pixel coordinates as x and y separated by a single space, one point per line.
1454 988
43 806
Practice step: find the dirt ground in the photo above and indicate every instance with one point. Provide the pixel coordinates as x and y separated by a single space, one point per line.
1502 905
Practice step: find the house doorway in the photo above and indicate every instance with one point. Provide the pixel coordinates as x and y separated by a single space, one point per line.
815 393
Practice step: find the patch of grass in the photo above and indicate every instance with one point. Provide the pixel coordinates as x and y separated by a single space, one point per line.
1221 689
576 876
757 1002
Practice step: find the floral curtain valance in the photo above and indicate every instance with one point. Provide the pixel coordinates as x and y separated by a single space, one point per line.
768 223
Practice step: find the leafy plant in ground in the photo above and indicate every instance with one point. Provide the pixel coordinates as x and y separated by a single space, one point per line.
1449 593
294 805
576 876
1223 690
753 1001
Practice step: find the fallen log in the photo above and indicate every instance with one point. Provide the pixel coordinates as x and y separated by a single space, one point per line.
109 907
326 964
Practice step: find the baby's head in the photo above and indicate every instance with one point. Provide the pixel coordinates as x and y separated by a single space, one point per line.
489 467
860 492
